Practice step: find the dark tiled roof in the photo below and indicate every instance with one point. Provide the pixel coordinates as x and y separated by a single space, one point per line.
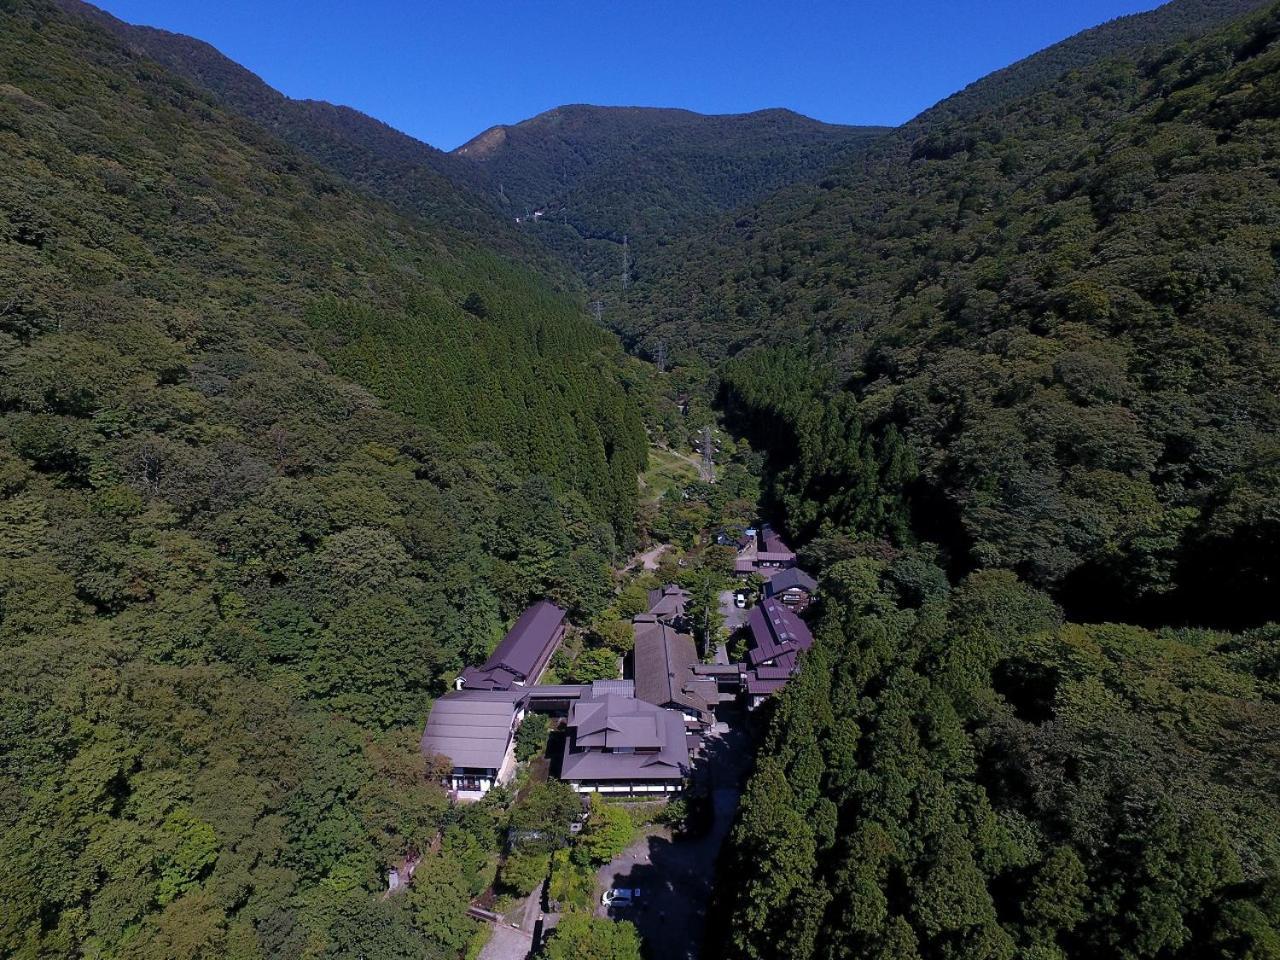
668 603
772 543
775 556
612 723
772 673
522 652
664 660
777 634
623 688
478 678
787 579
757 687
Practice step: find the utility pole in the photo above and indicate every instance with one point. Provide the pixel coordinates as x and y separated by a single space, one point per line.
708 457
661 360
626 262
597 309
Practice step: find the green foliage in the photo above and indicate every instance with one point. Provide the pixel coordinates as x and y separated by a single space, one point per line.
967 776
572 885
594 664
609 831
580 936
523 870
703 606
617 635
237 558
438 900
652 175
531 738
541 817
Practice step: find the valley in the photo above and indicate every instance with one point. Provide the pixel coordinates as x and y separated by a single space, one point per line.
636 532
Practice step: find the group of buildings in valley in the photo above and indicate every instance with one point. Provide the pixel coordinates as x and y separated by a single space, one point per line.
633 737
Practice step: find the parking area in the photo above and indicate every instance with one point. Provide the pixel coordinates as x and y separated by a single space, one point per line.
675 875
734 618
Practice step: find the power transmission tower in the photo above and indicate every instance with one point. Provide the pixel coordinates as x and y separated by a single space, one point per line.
708 457
597 309
661 360
626 262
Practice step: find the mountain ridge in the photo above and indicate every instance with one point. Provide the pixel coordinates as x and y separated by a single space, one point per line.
557 113
583 178
368 152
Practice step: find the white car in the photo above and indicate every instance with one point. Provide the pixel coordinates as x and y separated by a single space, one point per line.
740 600
620 897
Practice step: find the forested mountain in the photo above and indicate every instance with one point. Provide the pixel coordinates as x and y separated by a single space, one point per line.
651 175
275 460
599 172
294 420
414 176
1059 313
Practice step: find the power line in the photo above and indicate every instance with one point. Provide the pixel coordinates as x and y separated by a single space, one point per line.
708 457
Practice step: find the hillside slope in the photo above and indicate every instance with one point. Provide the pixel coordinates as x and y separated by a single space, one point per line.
240 550
406 172
1170 23
653 175
1044 335
1062 304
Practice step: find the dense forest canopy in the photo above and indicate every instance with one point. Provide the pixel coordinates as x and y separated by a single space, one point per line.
1128 36
957 773
1043 336
275 461
1065 306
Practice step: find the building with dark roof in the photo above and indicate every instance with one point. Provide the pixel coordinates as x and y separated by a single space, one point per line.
668 603
624 746
771 542
474 731
764 552
778 637
524 652
662 664
793 587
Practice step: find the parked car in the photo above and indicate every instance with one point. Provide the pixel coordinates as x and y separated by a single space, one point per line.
620 897
740 599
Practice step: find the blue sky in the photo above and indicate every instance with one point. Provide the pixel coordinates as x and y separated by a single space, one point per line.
443 70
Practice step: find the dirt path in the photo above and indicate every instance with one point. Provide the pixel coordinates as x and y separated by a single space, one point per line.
648 560
507 943
513 939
